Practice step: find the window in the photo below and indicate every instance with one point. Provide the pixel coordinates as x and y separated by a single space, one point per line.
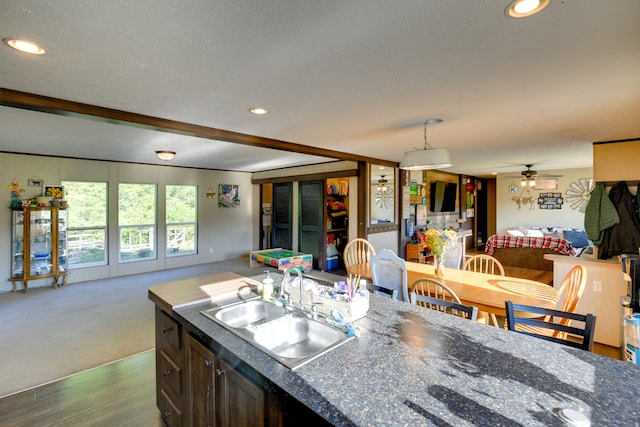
137 221
87 223
181 219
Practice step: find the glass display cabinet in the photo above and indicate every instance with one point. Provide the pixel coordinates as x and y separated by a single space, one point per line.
38 245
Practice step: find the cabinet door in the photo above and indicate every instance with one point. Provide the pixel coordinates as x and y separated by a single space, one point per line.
17 242
40 242
282 220
240 401
62 241
201 362
311 220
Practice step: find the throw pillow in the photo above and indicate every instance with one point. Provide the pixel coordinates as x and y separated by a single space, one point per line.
577 238
533 233
515 233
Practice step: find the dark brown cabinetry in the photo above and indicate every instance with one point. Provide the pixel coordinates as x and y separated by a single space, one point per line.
240 401
194 387
202 383
219 394
170 361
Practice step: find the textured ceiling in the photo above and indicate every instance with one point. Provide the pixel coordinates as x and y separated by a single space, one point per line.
355 76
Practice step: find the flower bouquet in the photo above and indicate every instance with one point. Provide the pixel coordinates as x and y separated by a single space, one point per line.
54 192
438 241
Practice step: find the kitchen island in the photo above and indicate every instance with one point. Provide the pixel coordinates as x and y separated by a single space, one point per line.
412 366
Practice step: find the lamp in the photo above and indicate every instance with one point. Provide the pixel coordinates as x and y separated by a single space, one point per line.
428 157
165 155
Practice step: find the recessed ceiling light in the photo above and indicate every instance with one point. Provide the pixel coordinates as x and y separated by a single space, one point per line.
25 46
258 111
524 8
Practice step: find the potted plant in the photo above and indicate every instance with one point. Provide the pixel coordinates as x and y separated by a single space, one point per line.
55 194
43 200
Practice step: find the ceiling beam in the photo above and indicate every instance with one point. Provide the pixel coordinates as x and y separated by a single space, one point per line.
29 101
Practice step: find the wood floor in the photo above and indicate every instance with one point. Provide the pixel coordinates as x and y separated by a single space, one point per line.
118 394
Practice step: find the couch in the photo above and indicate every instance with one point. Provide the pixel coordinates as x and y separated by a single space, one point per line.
523 256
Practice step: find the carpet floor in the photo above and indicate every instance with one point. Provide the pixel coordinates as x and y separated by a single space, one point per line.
48 334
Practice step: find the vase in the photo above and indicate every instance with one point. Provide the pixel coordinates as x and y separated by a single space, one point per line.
438 262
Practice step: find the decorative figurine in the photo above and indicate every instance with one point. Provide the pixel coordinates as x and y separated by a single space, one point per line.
15 188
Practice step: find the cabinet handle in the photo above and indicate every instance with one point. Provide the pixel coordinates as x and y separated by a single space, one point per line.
165 330
166 373
208 363
219 372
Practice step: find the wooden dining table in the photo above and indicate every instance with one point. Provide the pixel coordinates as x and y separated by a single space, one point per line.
488 292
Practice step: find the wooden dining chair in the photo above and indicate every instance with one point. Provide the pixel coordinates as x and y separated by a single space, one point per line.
445 306
572 288
357 252
389 271
554 323
433 288
483 263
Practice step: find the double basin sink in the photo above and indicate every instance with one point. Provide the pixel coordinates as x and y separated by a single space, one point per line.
285 333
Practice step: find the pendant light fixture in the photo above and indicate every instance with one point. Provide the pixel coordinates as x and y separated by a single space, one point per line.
428 157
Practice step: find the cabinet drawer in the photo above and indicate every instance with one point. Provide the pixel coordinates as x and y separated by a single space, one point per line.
169 373
169 411
168 336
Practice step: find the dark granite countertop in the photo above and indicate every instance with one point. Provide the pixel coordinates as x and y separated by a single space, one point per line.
415 366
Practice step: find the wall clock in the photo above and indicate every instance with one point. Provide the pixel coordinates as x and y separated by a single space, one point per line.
579 193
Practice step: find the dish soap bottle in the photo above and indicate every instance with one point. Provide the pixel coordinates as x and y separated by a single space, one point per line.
267 286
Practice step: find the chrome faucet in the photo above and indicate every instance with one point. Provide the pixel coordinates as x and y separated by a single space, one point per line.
285 277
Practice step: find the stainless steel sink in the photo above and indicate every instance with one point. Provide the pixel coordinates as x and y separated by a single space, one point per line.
249 313
285 334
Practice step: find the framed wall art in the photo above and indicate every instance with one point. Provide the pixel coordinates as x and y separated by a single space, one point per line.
53 191
228 196
550 201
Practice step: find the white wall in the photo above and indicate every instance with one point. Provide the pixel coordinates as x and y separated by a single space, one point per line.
224 233
508 215
384 240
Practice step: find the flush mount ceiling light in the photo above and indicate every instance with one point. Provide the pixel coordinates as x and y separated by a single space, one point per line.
428 157
258 111
524 8
165 155
25 46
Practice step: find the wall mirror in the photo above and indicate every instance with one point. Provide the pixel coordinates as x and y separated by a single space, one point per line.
383 198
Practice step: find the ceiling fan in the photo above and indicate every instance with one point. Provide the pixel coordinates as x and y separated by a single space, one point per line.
528 176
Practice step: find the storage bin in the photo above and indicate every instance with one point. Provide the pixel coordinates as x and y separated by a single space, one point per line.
332 263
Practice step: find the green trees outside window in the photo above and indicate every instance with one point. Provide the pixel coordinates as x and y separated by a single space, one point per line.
181 219
87 223
137 221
